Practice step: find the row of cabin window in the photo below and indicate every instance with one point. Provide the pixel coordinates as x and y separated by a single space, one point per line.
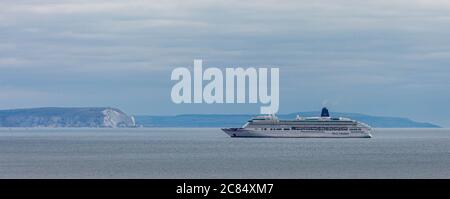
313 128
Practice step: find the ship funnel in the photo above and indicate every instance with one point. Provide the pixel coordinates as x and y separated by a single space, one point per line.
325 112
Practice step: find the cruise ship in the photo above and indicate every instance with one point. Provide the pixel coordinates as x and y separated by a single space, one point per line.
302 127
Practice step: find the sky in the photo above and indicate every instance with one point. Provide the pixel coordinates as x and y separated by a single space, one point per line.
380 57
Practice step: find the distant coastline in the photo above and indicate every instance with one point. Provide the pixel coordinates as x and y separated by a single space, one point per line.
109 117
233 120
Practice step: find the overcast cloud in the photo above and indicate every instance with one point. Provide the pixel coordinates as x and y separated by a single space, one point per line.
387 57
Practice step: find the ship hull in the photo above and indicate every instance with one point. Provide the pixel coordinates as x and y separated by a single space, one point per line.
249 133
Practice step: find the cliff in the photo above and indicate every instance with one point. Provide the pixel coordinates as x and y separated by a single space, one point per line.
66 117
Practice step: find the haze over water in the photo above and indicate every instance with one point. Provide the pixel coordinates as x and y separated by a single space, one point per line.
210 153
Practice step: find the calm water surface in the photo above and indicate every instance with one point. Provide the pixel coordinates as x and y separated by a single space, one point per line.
210 153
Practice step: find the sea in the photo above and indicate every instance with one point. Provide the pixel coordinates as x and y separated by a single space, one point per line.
210 153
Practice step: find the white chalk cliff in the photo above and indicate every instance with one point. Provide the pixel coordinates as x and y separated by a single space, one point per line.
66 117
